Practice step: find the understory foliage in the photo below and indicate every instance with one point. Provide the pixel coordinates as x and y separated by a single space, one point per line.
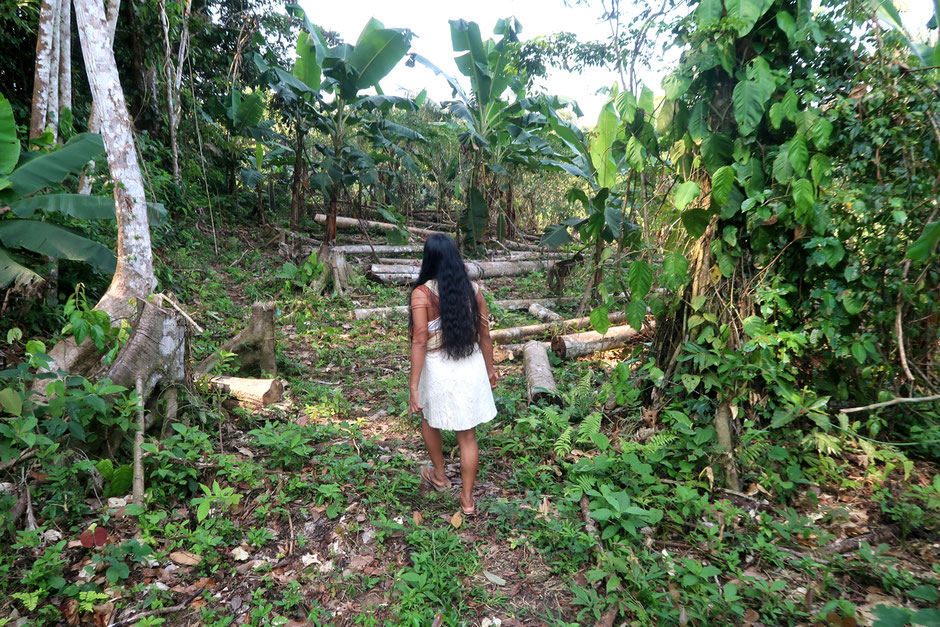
772 210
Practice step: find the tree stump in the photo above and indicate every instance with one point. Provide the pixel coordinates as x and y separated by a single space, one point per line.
255 343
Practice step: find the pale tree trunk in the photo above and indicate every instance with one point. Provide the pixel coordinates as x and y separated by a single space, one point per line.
65 56
134 276
52 107
43 74
174 79
114 6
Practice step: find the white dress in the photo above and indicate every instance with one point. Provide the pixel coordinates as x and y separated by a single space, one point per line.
455 393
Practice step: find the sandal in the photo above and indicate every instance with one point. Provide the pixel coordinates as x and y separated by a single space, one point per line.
427 480
467 513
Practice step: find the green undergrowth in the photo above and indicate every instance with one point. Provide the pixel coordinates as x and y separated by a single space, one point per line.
312 510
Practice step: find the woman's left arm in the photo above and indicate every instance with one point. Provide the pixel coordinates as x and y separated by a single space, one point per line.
419 346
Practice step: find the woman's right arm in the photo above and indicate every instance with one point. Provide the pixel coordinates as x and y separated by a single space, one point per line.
486 342
419 346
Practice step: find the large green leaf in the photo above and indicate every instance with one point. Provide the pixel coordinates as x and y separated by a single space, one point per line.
378 50
695 221
640 277
798 154
245 111
636 154
79 206
920 249
636 313
465 37
804 196
748 101
9 146
707 13
309 64
698 122
746 13
15 273
716 151
685 193
676 84
55 241
722 182
605 133
50 169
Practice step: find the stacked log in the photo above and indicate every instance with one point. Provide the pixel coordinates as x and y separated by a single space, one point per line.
544 314
402 310
401 273
516 334
580 344
353 223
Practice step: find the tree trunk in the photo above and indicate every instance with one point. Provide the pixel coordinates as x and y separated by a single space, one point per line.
514 334
43 73
174 78
330 219
723 432
476 269
65 57
52 106
580 344
134 276
543 313
254 343
297 188
538 372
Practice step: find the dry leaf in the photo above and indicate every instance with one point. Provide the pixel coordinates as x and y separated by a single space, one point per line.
456 520
359 562
494 579
70 613
239 554
417 517
185 558
102 614
438 621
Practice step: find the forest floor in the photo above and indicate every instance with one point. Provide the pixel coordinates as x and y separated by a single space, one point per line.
312 511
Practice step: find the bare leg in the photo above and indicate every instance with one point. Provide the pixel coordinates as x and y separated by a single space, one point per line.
469 462
435 445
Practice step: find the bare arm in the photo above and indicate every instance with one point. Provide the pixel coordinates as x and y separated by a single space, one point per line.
419 345
486 343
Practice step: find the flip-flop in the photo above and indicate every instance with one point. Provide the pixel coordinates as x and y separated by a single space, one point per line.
427 480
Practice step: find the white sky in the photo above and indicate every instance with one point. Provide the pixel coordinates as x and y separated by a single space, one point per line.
428 19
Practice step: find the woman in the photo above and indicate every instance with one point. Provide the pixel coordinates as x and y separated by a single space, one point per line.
452 373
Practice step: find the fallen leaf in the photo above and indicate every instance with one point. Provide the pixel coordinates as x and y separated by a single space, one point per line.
70 613
185 558
239 554
438 621
102 614
359 562
456 520
417 517
494 579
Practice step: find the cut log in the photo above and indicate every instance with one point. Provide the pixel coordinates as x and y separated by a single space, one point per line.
352 223
515 334
250 393
254 343
385 273
402 310
544 314
360 249
511 352
579 344
540 384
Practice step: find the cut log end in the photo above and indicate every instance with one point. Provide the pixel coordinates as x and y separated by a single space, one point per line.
249 393
540 383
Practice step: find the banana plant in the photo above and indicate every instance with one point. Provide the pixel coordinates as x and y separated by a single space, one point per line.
23 176
345 72
500 134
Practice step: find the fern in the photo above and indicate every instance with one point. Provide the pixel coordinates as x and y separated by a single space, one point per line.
590 426
563 444
660 439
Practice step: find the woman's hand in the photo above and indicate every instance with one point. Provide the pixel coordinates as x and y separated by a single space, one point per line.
413 406
493 378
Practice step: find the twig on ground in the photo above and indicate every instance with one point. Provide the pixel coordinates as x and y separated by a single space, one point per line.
27 454
160 611
893 401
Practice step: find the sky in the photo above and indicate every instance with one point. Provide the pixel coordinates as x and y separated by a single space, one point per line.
428 19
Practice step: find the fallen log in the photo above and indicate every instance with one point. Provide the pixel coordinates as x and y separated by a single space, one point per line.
254 343
580 344
385 273
402 310
544 314
515 334
511 352
249 393
381 249
353 223
540 384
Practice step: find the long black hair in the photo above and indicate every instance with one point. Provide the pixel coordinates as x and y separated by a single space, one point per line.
456 297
